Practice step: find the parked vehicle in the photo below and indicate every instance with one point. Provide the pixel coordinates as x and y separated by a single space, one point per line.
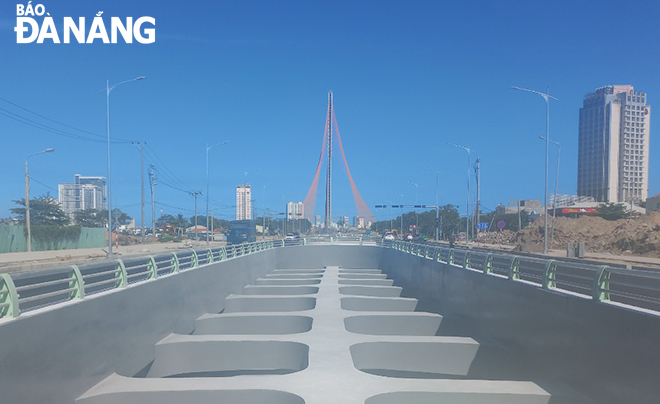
242 231
290 236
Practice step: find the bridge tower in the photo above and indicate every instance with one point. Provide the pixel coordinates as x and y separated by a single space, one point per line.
328 185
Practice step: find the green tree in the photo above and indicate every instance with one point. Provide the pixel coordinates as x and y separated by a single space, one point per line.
44 210
612 211
90 218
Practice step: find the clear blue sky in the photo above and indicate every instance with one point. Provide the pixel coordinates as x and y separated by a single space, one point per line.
408 77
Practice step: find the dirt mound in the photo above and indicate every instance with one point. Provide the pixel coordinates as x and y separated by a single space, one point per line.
635 236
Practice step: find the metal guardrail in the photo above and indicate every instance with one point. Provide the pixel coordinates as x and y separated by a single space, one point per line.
631 288
26 291
637 289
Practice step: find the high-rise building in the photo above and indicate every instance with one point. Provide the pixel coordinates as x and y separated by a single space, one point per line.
83 193
295 210
613 148
358 221
243 202
346 221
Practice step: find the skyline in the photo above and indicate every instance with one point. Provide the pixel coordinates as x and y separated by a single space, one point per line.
407 80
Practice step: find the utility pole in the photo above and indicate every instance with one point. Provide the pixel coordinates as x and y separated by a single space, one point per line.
142 185
519 220
212 234
194 194
477 169
152 182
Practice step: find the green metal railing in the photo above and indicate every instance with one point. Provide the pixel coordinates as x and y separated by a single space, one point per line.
638 289
21 292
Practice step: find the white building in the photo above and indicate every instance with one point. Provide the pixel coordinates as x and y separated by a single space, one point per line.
243 202
83 193
295 210
613 149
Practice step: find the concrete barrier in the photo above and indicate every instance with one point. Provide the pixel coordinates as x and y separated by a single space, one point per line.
609 353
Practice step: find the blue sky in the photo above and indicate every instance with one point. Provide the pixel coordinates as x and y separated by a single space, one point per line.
408 77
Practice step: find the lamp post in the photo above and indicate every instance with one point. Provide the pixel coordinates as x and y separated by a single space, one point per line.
401 211
207 185
108 89
554 200
546 96
467 206
27 198
416 202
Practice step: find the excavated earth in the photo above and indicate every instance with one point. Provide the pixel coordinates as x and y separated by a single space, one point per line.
636 236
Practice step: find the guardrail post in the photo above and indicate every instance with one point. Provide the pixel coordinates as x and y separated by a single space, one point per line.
488 265
466 259
175 263
8 297
76 281
195 259
152 267
223 253
122 280
305 241
437 255
331 240
514 269
549 275
360 240
601 287
210 257
450 257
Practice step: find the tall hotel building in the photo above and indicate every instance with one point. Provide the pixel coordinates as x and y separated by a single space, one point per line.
613 146
83 193
243 202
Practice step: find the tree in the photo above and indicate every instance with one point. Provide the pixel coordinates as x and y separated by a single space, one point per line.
612 211
90 218
44 210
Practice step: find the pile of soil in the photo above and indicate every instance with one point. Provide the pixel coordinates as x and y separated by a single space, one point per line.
636 236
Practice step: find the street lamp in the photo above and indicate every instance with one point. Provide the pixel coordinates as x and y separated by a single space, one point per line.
207 185
467 206
27 198
108 89
416 202
245 173
554 200
546 96
401 211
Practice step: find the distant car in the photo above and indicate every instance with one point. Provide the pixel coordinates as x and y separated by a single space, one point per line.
290 236
409 237
296 234
389 236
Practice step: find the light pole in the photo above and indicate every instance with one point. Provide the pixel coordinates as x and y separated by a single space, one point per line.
27 198
401 211
437 202
245 174
207 185
546 96
108 89
467 206
554 200
416 202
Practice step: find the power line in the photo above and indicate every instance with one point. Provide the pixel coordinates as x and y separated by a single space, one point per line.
39 125
39 182
57 122
151 152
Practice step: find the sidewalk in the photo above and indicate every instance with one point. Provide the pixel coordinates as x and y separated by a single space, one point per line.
24 261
